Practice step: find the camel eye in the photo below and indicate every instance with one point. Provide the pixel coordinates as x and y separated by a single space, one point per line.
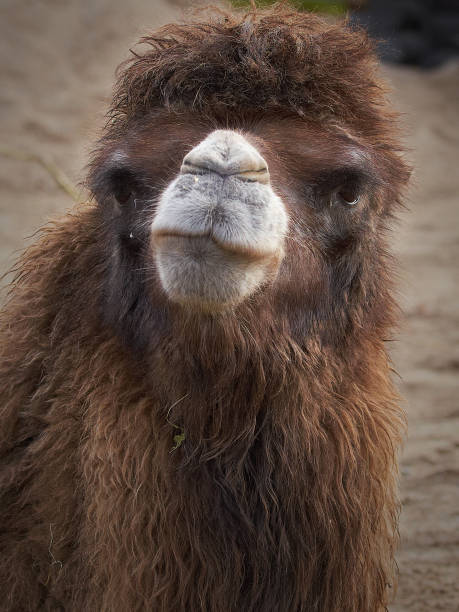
122 195
348 194
124 185
341 187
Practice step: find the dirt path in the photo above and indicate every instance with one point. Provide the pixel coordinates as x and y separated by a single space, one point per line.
57 68
427 355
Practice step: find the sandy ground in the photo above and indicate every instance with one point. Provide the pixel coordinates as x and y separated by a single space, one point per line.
57 60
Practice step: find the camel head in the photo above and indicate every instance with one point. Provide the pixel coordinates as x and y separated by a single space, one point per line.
249 163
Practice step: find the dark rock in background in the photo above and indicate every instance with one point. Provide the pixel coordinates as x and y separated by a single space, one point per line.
417 32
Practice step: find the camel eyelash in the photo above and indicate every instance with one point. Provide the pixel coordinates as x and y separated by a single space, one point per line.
327 181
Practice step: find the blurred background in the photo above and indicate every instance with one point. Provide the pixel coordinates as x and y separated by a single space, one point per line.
57 65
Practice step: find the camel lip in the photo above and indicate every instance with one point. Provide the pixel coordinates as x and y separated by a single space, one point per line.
173 233
162 236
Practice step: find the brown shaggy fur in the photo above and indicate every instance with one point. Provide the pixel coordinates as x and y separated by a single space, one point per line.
282 496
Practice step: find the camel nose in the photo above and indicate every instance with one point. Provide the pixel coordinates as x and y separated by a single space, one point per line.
226 153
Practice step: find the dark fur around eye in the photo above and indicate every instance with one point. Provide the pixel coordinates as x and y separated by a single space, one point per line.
117 185
124 184
341 187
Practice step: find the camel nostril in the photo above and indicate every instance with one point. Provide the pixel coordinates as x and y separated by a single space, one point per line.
229 154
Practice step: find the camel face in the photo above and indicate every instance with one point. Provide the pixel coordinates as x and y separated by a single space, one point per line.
212 217
219 228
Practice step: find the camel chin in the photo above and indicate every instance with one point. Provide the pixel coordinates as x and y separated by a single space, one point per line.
197 272
219 229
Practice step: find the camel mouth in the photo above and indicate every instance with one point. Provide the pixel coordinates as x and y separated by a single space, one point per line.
191 244
196 270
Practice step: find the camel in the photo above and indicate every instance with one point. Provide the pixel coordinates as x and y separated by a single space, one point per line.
197 407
